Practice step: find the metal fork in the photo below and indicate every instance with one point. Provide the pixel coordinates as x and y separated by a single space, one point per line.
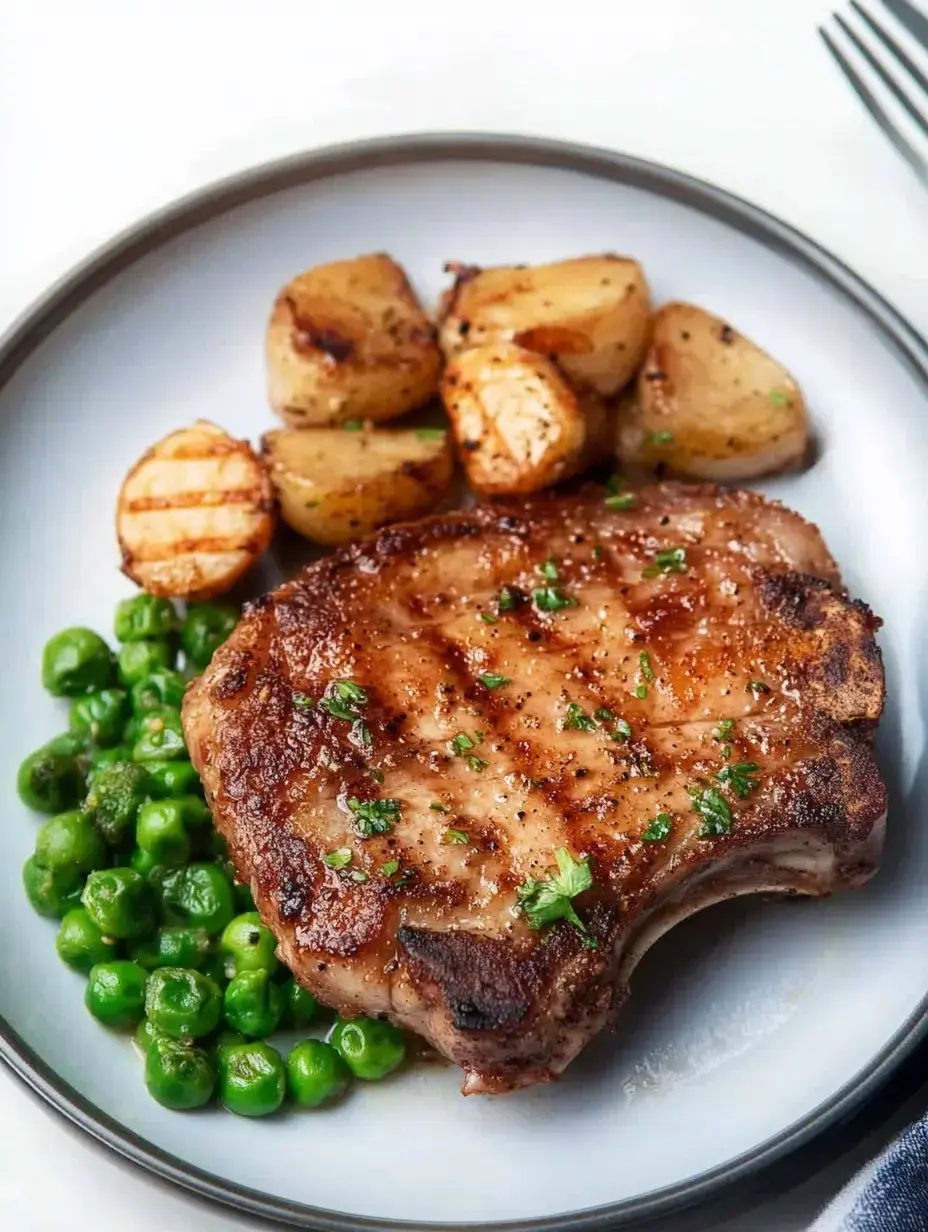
897 72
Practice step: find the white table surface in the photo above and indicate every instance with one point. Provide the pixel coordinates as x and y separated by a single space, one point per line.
109 109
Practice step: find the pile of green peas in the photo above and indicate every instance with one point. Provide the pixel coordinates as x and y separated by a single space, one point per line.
142 884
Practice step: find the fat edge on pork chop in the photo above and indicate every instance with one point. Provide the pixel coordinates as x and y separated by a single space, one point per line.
674 701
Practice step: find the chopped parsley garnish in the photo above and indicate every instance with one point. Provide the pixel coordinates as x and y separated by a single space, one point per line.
461 743
778 398
390 868
360 735
506 601
344 700
338 859
453 837
739 778
616 498
488 618
758 686
430 434
358 874
604 714
374 816
437 807
549 570
552 599
712 807
641 692
725 752
598 551
663 437
476 763
623 729
550 899
494 681
724 729
668 560
659 829
647 670
577 719
353 425
303 701
376 775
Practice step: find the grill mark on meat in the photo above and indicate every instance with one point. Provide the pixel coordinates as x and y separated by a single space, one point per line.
398 613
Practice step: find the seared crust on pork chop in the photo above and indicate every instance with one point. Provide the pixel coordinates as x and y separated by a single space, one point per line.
741 649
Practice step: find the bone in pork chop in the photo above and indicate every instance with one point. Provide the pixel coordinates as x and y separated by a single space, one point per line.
537 735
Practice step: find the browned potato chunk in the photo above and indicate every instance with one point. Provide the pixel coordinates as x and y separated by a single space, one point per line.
519 425
591 314
349 340
194 513
710 404
335 485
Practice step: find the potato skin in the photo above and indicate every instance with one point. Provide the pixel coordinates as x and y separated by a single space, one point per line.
194 513
349 340
519 425
711 404
334 485
590 314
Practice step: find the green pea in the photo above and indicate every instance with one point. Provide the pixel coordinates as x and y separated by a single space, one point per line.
161 737
183 1003
81 944
143 617
371 1048
119 901
199 895
215 968
50 782
136 660
247 945
300 1006
206 626
253 1004
316 1073
160 831
142 861
52 892
145 1036
116 794
100 716
115 993
164 687
70 841
107 757
76 661
252 1079
177 946
69 744
177 1076
228 1039
173 778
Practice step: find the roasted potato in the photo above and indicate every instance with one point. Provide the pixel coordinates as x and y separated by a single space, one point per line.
194 513
335 485
591 314
349 340
518 424
710 404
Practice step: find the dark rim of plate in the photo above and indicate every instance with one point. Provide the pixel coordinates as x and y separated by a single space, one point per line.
762 1167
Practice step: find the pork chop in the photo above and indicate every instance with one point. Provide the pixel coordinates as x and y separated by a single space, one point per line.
472 767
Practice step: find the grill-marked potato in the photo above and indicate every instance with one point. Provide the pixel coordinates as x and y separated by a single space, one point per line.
710 404
591 314
349 340
518 424
194 513
335 485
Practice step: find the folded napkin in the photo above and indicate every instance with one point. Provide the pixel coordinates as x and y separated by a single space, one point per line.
890 1194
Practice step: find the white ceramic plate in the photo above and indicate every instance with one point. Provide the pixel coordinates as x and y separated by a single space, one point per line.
750 1028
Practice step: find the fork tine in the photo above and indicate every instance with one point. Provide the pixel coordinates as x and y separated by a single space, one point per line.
892 46
876 111
908 15
881 72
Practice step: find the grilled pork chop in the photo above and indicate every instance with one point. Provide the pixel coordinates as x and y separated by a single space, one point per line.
474 766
